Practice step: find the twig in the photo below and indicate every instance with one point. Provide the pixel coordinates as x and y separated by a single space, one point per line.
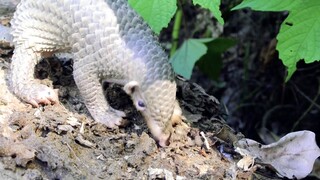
312 101
71 150
206 143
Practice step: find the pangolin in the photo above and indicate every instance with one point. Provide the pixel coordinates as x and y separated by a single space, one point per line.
109 42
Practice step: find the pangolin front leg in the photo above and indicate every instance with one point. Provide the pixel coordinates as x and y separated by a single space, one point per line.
88 83
22 79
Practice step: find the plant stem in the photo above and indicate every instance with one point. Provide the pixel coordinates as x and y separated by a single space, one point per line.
175 31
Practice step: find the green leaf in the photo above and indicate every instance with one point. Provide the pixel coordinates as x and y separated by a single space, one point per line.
268 5
187 55
157 13
299 36
211 62
213 6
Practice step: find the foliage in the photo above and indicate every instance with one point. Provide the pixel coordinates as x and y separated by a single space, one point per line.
299 36
186 56
158 13
213 6
268 5
211 62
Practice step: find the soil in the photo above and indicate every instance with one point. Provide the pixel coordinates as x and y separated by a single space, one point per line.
62 141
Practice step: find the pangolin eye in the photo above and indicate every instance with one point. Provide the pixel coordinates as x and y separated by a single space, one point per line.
141 104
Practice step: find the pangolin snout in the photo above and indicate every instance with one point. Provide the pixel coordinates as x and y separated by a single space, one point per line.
160 132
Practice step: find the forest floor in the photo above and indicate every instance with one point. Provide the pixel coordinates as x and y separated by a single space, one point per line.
63 142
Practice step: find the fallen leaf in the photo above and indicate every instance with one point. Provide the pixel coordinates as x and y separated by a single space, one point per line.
246 163
292 156
316 169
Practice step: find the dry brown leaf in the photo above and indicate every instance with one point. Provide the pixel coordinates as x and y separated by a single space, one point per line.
292 156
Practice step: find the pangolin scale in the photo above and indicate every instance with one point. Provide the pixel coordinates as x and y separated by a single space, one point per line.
109 41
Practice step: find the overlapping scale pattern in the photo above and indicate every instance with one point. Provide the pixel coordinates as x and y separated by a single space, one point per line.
108 39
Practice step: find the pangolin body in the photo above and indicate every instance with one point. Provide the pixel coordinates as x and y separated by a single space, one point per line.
109 41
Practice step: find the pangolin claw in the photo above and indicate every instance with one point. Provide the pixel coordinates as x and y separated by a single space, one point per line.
112 119
40 94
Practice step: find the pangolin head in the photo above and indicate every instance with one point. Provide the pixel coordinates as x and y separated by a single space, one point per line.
156 103
155 96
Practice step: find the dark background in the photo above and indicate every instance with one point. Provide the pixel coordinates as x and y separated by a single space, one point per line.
251 77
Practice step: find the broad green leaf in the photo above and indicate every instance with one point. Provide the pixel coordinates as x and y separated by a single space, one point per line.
213 6
269 5
157 13
187 55
299 36
211 62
